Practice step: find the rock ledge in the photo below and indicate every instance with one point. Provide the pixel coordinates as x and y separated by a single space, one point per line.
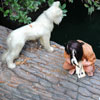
39 76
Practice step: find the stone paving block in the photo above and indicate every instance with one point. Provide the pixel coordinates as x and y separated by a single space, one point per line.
80 97
85 92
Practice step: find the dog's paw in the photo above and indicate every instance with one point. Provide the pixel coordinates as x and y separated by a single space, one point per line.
51 49
11 66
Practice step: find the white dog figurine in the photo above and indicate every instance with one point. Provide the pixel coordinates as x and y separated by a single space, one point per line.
40 29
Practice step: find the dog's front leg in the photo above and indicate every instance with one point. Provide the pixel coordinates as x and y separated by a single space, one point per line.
45 41
9 60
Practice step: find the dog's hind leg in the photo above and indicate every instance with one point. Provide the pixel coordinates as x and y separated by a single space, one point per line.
4 55
45 41
13 54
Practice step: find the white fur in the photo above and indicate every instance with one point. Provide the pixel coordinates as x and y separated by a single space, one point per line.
40 29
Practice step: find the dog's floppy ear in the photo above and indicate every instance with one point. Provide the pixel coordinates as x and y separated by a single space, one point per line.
57 4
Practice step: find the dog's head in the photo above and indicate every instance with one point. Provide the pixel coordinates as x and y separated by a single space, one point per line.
55 13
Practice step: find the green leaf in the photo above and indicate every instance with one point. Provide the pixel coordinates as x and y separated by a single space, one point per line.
50 2
70 1
90 10
17 17
86 5
15 0
65 11
64 15
96 4
63 6
6 3
28 20
6 13
90 2
11 17
44 0
1 9
98 8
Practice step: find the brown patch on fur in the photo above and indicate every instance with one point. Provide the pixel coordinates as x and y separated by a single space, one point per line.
30 25
1 47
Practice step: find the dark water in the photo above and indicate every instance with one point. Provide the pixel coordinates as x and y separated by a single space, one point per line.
79 25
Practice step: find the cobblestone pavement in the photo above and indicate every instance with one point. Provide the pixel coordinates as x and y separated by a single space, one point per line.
39 76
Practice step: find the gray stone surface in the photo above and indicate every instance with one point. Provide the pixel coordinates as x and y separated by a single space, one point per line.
39 75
